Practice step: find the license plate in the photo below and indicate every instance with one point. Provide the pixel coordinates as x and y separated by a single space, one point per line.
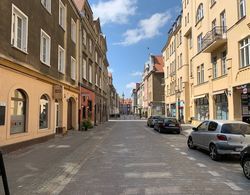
171 125
238 149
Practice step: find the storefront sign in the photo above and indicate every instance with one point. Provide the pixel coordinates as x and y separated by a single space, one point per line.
58 92
244 91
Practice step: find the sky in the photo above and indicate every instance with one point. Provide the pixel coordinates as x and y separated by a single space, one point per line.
133 29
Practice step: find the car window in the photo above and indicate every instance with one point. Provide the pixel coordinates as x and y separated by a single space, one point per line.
203 126
156 117
170 120
212 126
235 128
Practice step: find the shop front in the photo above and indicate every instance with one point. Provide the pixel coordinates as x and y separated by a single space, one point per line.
202 108
173 110
221 106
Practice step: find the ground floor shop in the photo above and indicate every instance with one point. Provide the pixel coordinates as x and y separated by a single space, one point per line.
156 108
33 108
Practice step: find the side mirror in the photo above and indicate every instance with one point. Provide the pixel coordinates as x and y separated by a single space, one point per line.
195 129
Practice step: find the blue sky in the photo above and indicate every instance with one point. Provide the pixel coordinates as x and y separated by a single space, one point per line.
134 28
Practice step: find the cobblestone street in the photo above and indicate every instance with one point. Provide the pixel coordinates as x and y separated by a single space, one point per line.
121 158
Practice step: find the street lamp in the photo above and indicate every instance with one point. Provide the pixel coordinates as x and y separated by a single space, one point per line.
123 103
178 95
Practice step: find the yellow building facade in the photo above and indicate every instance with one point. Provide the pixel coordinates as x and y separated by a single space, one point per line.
215 48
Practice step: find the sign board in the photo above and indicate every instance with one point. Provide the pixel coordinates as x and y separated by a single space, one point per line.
244 91
58 92
2 115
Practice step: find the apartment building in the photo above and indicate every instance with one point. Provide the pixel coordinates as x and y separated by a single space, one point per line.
38 69
153 76
125 106
113 100
216 50
93 72
134 96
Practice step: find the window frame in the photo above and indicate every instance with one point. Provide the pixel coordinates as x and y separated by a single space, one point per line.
47 5
60 48
199 43
73 30
73 68
47 37
241 3
200 13
61 5
245 45
17 13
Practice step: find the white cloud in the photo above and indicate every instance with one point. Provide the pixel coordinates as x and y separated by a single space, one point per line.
131 85
134 74
146 29
111 70
114 11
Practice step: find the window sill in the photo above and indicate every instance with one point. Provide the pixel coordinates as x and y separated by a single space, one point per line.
61 72
212 5
199 21
219 77
62 27
44 63
23 51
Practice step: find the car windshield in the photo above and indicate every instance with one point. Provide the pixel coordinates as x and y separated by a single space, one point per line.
236 129
156 117
170 120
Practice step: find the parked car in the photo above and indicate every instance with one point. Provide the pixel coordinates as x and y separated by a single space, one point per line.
151 120
220 137
245 161
167 125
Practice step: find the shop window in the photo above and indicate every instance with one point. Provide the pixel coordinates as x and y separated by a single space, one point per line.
44 112
202 109
221 105
18 112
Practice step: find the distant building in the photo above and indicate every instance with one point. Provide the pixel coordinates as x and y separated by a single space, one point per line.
125 106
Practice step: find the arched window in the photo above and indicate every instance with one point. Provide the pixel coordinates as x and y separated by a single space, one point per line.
18 112
199 13
44 112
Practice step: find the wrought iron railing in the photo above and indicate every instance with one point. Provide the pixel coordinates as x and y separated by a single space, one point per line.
218 32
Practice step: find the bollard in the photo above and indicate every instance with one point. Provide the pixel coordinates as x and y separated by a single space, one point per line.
3 174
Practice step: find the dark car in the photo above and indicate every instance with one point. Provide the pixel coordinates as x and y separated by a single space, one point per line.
245 161
151 120
167 125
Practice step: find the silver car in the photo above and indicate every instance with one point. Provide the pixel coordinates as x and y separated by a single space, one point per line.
220 137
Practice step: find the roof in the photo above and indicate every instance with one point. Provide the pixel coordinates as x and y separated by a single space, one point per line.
79 4
158 63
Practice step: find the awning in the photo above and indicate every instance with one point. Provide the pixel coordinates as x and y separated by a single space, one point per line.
219 92
200 96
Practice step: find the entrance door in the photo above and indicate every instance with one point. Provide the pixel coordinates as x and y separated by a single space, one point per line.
56 116
70 107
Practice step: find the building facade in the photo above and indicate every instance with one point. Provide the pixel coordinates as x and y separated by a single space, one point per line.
215 55
38 67
125 106
113 101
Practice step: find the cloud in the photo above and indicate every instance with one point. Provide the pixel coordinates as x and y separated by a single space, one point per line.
111 70
131 85
114 11
134 74
146 29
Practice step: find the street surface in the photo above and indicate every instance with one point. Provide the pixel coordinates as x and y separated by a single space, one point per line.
121 158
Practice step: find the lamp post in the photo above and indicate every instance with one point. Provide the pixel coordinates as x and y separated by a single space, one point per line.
178 95
123 112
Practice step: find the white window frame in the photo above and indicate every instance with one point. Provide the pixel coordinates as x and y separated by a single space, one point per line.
223 63
223 21
199 41
199 13
244 48
202 74
215 67
84 68
18 14
243 4
198 75
61 67
84 37
47 5
73 68
73 30
90 46
48 48
62 16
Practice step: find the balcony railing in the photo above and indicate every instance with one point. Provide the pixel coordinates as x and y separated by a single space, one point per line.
214 39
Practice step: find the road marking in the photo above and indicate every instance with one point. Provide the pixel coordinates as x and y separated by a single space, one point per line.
131 191
183 153
177 149
148 175
172 145
201 165
214 173
145 164
233 186
162 190
191 158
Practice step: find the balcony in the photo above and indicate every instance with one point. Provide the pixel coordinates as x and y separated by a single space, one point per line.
214 39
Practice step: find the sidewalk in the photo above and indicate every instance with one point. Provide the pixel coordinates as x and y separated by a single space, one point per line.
186 129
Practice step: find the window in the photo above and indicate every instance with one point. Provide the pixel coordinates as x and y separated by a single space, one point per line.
245 52
18 111
223 63
84 68
187 17
62 15
202 109
90 74
223 21
199 41
212 126
202 73
19 29
180 38
84 37
47 5
73 30
73 68
61 59
90 45
96 78
181 84
242 8
45 48
221 107
181 60
191 40
214 62
44 112
198 75
199 13
96 57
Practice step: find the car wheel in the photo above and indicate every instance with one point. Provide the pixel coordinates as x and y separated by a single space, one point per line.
246 168
213 153
190 143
